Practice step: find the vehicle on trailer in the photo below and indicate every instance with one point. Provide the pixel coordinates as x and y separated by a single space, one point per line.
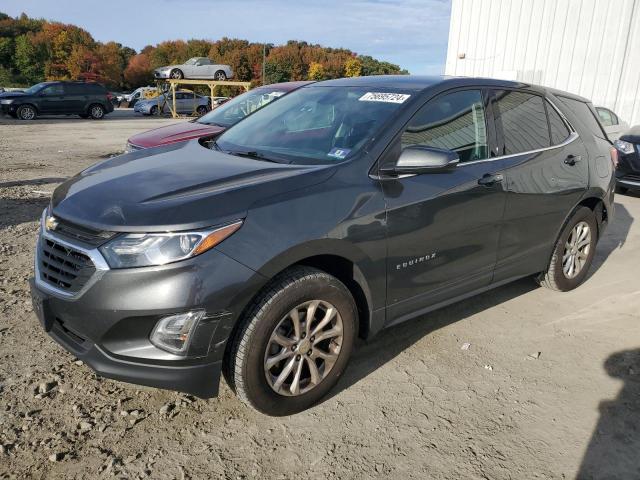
628 170
86 99
186 103
613 125
345 207
195 68
216 121
140 93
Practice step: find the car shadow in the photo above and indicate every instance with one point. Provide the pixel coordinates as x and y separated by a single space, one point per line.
386 345
613 449
389 343
614 237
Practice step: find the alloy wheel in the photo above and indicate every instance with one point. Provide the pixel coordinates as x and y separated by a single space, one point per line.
97 111
303 348
576 250
27 113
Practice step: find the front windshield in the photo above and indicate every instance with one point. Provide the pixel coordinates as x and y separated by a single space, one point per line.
236 109
35 88
314 125
191 61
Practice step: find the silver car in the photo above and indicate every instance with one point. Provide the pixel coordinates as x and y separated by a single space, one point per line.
186 102
197 68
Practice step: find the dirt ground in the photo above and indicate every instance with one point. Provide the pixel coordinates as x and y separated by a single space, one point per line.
549 387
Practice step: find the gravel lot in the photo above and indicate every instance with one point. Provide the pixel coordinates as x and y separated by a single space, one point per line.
549 387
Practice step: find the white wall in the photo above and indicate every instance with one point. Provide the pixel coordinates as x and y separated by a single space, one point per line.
588 47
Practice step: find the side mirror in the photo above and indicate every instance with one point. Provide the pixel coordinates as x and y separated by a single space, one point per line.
418 159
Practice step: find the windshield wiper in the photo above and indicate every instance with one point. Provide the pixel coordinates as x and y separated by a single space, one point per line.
251 154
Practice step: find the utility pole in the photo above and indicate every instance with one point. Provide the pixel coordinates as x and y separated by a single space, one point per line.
264 57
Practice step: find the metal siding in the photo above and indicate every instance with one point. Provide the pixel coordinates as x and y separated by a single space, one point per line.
588 47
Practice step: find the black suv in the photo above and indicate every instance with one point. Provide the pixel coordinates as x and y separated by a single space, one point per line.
345 207
58 98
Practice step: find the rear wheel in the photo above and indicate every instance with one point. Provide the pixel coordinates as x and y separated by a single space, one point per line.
220 76
573 253
96 111
294 344
201 110
26 112
154 110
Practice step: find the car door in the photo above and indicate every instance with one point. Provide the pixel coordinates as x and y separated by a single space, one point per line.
443 228
77 96
546 174
52 100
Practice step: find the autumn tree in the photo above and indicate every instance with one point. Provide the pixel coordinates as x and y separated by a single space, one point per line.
316 72
139 71
352 67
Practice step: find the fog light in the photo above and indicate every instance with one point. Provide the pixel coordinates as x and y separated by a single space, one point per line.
174 333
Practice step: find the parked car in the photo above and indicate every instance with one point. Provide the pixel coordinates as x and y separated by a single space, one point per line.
141 93
612 124
186 102
628 169
343 208
196 67
58 98
215 121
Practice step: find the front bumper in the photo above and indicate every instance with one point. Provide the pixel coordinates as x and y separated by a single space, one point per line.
8 108
165 74
108 324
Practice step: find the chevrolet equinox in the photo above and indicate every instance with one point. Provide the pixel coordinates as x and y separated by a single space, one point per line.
346 207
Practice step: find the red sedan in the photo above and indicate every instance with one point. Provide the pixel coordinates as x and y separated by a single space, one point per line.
215 121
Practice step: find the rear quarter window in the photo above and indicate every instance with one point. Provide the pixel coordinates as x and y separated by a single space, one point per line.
585 114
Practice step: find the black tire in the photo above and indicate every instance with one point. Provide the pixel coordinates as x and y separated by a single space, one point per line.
621 190
176 74
154 110
201 110
220 76
96 111
26 112
244 367
554 277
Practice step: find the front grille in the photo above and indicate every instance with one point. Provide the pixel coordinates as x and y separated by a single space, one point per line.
93 238
64 267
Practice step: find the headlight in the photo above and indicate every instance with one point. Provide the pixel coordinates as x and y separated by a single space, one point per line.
624 147
147 249
7 101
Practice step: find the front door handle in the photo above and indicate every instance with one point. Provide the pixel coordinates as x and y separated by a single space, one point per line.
489 179
572 159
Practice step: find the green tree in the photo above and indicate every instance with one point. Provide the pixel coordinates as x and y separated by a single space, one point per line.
30 69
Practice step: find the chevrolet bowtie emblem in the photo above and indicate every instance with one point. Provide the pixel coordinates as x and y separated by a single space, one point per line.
51 223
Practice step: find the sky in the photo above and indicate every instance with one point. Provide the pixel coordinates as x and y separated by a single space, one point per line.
410 33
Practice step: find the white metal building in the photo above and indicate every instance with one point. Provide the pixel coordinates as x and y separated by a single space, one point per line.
588 47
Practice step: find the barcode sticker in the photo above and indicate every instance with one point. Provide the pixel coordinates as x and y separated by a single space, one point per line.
384 97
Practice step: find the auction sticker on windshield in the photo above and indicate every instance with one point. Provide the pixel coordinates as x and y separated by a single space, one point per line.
384 97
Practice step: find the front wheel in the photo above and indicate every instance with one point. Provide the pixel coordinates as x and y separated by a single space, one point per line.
294 344
176 74
573 253
201 110
26 112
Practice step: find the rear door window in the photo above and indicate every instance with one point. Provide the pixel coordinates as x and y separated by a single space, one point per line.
53 90
455 121
521 121
584 113
557 126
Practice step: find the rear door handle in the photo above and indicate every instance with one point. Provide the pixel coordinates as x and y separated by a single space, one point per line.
489 179
572 159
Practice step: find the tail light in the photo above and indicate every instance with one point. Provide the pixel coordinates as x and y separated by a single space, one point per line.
614 157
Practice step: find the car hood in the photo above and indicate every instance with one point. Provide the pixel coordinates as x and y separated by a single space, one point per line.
12 94
177 132
632 135
177 187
